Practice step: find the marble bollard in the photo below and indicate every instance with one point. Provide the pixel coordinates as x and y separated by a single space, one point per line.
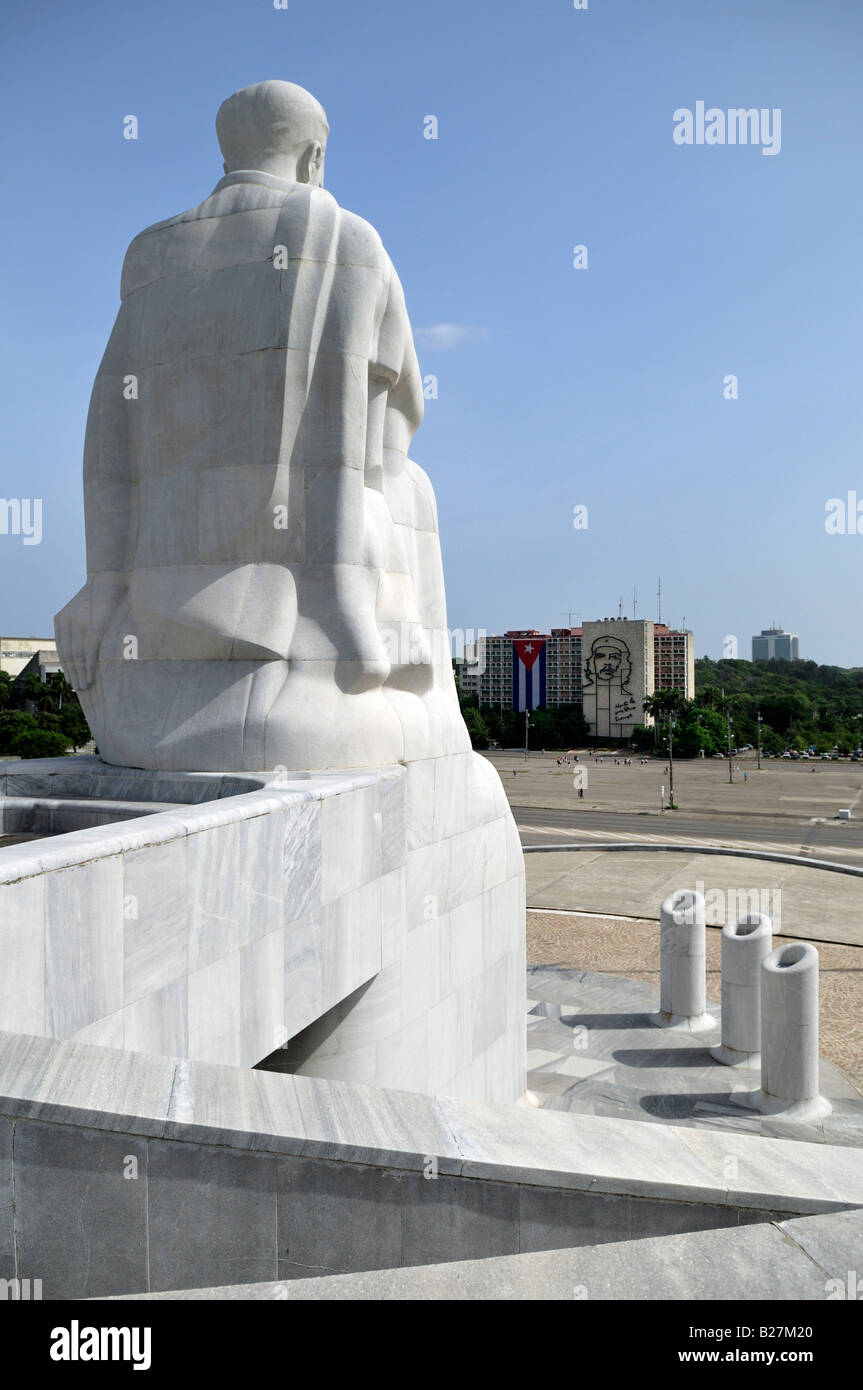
745 943
683 963
789 1035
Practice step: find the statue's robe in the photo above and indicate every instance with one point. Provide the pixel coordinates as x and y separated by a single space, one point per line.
264 577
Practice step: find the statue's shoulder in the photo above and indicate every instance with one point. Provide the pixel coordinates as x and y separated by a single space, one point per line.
360 243
144 256
355 240
146 253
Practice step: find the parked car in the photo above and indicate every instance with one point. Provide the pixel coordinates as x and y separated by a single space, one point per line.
825 757
786 755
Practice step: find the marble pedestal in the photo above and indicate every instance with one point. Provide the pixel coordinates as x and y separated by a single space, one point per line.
362 926
682 964
790 1072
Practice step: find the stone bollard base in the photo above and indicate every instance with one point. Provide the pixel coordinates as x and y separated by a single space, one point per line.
795 1111
685 1023
732 1057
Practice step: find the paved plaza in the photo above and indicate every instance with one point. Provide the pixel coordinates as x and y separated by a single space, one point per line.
782 788
805 903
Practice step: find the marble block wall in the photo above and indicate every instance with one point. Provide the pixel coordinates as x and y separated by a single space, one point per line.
446 1011
364 926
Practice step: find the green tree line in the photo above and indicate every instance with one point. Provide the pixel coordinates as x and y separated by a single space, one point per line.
40 719
563 727
802 705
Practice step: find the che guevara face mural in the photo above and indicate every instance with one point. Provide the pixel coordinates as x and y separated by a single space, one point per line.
609 662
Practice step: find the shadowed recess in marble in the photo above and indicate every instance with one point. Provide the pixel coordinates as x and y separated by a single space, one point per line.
805 1259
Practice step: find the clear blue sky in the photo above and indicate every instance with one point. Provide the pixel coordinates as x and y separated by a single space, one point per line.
602 387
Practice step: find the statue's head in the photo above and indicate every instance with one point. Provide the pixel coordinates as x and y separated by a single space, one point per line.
276 127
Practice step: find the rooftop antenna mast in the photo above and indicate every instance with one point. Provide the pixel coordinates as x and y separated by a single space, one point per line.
620 607
634 604
659 600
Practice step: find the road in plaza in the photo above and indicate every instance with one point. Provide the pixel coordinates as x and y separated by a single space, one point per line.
838 841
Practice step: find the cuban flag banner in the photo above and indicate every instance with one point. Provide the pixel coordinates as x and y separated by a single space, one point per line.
528 673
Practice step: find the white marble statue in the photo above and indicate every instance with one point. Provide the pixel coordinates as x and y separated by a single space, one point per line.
264 576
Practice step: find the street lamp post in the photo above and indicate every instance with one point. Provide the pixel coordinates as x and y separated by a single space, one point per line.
671 760
526 727
728 728
760 721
